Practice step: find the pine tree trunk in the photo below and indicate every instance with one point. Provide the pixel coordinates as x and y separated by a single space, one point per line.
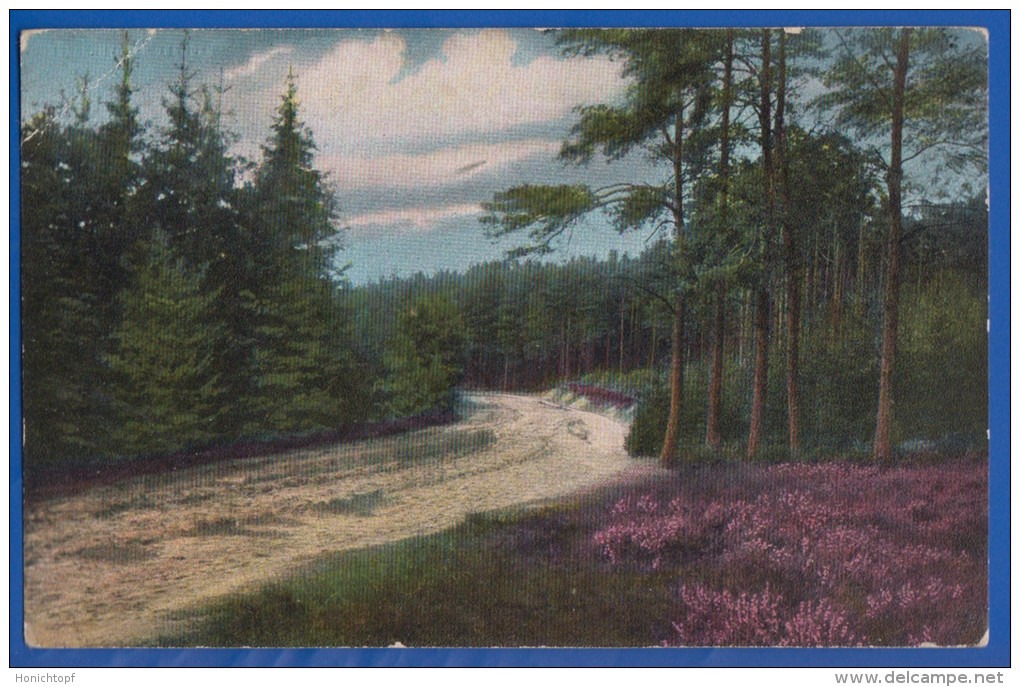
812 284
839 270
566 352
761 371
762 314
635 332
676 365
742 328
882 448
792 265
563 351
714 433
860 268
793 359
676 387
651 347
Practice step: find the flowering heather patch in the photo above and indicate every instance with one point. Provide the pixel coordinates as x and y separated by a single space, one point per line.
720 618
814 555
656 532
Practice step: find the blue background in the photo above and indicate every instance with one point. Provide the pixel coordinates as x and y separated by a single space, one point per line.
996 654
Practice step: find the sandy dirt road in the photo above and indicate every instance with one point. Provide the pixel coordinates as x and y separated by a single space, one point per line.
117 564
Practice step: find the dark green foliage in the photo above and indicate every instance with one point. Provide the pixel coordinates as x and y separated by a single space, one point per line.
942 387
65 320
839 375
304 367
425 359
298 233
305 373
948 235
927 89
166 306
528 324
166 386
191 197
646 432
664 115
945 106
942 378
670 70
120 228
78 222
550 208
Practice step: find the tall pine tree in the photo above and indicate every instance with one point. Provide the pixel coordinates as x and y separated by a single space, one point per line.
925 92
664 114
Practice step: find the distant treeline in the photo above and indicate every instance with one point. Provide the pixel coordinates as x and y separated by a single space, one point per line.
526 325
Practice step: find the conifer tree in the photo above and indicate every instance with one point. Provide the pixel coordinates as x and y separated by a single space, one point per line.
77 226
305 371
119 146
298 206
425 359
167 392
192 199
62 311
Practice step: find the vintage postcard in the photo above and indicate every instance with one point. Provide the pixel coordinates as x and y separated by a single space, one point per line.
505 337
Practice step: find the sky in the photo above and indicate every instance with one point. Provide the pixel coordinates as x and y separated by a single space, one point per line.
415 128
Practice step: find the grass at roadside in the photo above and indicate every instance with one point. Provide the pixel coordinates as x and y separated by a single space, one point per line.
509 579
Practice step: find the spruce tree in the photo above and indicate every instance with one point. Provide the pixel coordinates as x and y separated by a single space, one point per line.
167 389
191 197
63 322
119 146
304 371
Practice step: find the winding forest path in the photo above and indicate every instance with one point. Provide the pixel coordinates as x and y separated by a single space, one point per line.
119 563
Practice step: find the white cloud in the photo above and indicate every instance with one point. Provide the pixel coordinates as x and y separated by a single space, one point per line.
351 96
364 120
415 218
445 166
256 62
